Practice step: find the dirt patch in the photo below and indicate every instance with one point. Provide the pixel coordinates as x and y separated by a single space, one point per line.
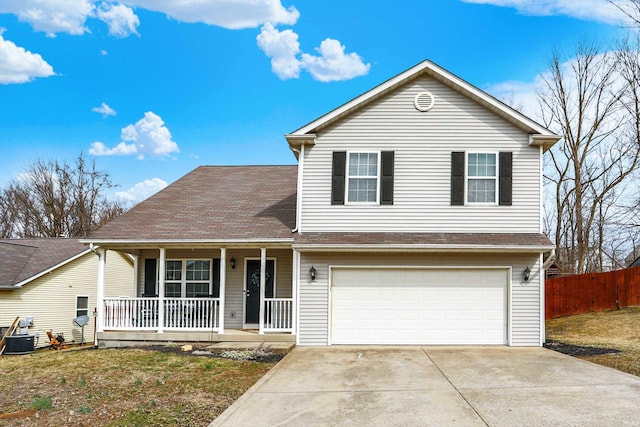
578 350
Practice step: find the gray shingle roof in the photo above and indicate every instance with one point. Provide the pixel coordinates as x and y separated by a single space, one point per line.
21 259
214 203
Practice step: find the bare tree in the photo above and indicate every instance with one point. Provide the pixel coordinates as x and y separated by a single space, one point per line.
53 199
593 101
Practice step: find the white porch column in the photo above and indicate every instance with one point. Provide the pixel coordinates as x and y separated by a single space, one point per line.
102 260
223 280
294 291
161 267
136 260
263 281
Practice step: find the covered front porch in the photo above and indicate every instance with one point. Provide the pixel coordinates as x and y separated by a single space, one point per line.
200 293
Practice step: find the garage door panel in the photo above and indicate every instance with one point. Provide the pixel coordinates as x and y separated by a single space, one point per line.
419 306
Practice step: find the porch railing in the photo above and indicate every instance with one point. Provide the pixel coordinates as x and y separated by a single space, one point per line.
278 315
179 313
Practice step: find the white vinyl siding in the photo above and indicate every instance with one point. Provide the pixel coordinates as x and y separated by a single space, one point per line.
52 299
422 143
523 305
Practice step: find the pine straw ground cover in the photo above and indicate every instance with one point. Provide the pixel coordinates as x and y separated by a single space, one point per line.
122 387
618 329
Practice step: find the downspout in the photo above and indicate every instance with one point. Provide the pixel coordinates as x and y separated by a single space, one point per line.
547 262
300 152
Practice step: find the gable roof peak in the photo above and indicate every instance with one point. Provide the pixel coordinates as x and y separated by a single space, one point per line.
540 134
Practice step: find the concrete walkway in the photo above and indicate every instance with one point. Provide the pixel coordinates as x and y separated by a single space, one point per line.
436 386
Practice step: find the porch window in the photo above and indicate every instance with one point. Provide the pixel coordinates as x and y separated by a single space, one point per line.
198 274
187 278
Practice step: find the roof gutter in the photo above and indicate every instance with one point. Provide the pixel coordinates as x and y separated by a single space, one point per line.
423 248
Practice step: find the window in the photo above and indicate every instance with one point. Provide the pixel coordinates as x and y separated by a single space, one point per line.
82 306
362 178
198 273
188 278
481 178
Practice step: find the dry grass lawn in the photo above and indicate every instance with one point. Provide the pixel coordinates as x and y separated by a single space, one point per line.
619 329
120 387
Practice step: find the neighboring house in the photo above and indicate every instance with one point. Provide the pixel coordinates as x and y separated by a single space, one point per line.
634 263
53 281
412 217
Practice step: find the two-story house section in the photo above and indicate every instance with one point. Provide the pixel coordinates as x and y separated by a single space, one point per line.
419 209
412 217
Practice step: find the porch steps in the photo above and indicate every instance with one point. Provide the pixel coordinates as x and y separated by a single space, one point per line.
276 347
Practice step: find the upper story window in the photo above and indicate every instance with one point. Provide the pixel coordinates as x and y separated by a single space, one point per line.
481 178
362 178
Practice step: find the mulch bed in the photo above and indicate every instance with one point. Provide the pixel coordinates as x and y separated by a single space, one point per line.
262 355
576 350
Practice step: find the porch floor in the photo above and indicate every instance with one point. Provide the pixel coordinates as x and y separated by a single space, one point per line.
231 338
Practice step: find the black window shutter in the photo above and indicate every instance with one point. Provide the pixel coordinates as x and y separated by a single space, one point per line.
506 178
215 275
386 180
150 277
457 178
338 173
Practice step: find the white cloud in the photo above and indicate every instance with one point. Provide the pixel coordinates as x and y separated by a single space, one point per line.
120 19
18 65
332 65
523 96
51 16
596 10
142 190
282 47
231 14
104 109
103 52
122 149
148 136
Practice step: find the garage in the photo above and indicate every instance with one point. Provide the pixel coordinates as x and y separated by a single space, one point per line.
437 306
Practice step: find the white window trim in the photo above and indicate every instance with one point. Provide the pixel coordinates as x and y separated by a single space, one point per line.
88 303
347 176
466 179
183 280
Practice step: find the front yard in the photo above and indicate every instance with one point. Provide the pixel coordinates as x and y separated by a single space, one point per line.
618 329
121 387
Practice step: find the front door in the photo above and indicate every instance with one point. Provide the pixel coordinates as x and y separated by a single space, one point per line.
252 289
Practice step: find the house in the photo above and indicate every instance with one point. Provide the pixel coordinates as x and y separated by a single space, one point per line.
413 216
50 282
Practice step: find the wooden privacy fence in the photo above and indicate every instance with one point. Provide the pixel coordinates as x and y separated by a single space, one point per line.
589 292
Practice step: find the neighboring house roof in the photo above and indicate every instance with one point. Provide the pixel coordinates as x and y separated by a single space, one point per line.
211 204
539 135
23 260
635 263
513 242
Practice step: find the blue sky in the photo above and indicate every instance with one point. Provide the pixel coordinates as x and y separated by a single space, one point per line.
151 89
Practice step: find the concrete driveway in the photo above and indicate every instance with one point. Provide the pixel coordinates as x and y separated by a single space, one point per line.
439 386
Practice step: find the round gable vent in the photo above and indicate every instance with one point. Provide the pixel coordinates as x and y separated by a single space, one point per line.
424 101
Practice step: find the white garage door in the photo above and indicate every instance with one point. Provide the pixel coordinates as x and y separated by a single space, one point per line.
419 306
